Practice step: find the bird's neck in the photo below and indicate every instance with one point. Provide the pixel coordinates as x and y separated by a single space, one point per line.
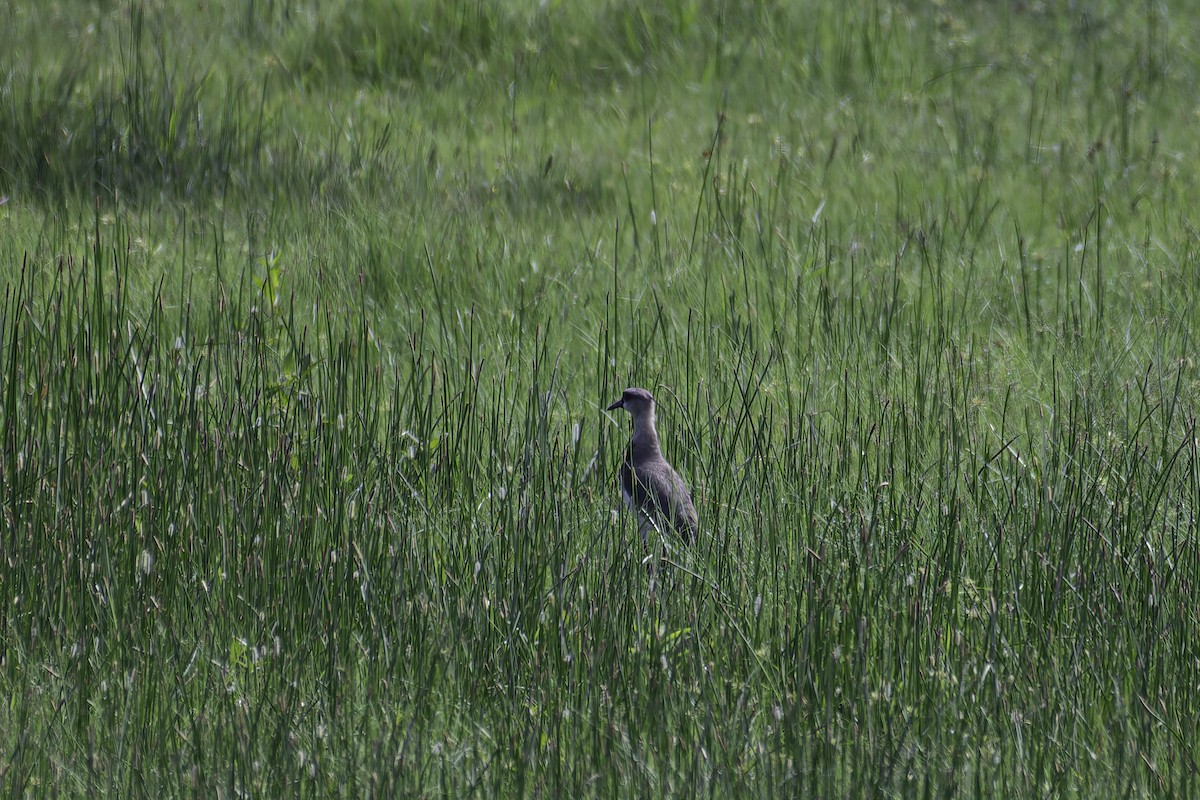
645 437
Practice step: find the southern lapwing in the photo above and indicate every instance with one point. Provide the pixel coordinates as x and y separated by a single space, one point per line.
650 486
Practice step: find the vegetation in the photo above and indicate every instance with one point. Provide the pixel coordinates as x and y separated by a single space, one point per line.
311 309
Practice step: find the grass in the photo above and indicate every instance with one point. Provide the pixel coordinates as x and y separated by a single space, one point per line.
311 310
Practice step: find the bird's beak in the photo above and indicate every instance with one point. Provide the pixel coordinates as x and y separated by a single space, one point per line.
619 404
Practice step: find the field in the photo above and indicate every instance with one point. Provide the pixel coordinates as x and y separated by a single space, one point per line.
311 311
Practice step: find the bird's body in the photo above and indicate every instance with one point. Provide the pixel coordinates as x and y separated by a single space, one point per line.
650 486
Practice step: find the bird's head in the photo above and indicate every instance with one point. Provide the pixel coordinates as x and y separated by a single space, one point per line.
636 401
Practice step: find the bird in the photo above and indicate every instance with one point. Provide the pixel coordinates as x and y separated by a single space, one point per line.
650 486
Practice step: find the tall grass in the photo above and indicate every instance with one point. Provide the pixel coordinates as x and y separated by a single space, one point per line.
307 485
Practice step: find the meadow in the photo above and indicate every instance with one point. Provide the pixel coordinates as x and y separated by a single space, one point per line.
311 310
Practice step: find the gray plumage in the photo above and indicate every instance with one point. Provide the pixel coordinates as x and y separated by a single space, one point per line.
650 486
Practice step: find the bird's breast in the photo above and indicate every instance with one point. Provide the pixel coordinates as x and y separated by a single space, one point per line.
628 498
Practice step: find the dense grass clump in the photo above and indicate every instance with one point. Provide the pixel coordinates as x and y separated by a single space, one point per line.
311 310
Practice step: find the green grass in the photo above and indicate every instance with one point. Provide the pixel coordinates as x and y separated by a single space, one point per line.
311 310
